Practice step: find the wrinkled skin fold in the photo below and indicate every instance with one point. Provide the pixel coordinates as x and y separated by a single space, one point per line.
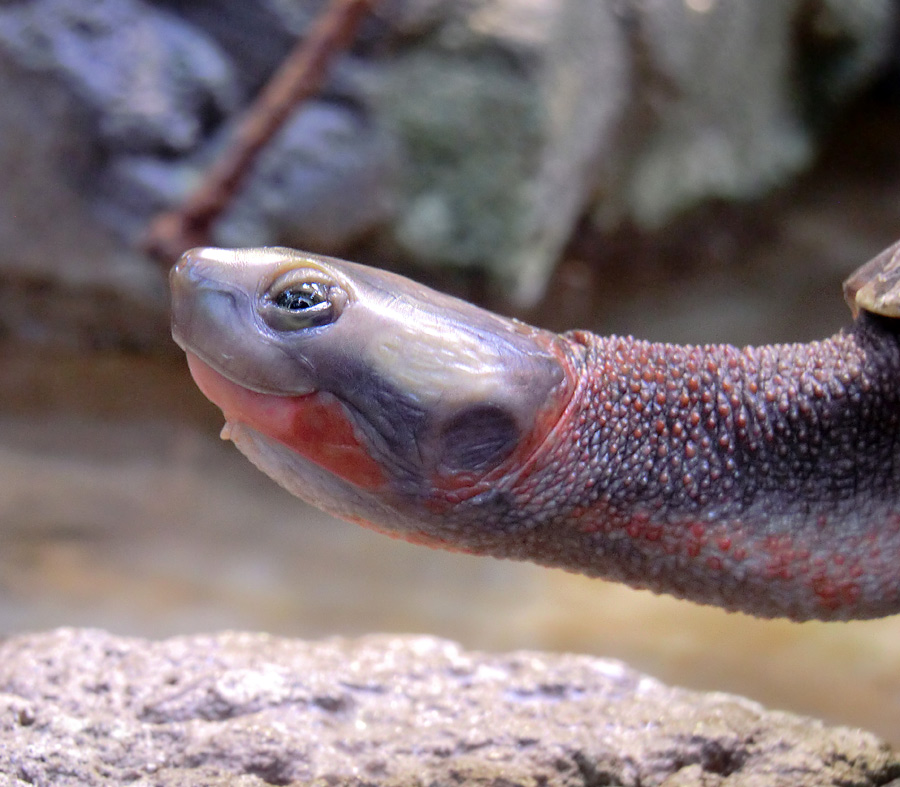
761 479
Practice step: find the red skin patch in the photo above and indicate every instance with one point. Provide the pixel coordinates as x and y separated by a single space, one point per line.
314 425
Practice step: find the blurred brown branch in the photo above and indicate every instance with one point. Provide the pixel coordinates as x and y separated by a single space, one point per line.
298 78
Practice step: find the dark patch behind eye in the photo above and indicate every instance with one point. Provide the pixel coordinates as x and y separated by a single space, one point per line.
478 438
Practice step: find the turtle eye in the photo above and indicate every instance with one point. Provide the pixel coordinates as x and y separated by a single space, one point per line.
301 304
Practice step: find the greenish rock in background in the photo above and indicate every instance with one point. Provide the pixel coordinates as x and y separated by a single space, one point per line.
469 126
654 108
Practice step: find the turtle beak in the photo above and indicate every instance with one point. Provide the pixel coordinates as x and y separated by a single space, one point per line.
215 317
205 296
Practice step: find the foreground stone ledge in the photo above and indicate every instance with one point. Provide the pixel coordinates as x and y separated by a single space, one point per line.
86 707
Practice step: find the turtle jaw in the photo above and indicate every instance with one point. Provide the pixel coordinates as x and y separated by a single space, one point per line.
316 485
316 426
237 402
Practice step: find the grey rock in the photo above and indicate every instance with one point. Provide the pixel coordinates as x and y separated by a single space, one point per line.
428 147
64 278
327 179
89 708
468 110
729 122
152 82
257 35
83 86
253 35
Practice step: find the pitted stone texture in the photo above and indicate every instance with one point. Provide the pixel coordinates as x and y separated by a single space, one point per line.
89 708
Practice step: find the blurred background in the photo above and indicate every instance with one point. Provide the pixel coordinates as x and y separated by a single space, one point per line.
683 170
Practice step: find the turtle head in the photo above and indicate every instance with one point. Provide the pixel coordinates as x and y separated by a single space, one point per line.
365 393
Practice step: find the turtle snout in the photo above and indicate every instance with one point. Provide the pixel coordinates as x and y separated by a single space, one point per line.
204 303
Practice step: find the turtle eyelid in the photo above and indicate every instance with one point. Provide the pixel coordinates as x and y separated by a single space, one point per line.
296 303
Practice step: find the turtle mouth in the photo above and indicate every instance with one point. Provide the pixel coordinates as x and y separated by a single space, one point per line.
237 402
317 425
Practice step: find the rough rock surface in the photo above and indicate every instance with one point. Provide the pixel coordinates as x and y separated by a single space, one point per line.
88 708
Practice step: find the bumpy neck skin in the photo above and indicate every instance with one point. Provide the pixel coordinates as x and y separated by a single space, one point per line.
761 479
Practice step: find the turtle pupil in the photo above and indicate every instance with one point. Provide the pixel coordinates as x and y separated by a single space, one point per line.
300 297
